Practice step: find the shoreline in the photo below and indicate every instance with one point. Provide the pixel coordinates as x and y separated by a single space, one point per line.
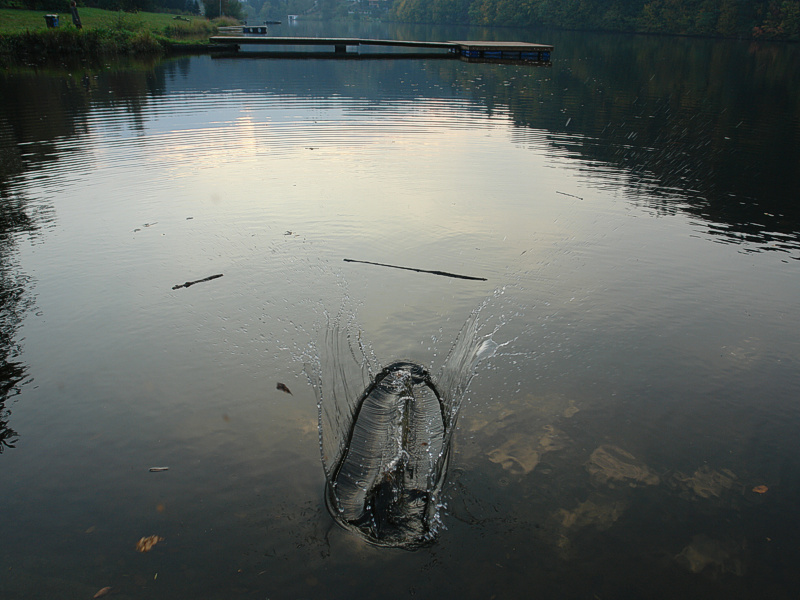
105 34
43 45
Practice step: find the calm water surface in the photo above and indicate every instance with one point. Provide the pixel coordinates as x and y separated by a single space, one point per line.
633 208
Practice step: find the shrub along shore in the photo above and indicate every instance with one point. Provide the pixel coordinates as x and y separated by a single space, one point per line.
24 34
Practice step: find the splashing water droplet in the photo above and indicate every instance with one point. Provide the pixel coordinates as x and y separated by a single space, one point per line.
385 433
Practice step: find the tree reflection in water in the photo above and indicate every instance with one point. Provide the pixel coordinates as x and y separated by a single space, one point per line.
15 300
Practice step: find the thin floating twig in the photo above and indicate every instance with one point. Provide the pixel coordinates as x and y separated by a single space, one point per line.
442 273
570 195
188 283
158 469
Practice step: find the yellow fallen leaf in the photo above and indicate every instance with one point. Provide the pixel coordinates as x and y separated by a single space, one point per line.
102 592
760 489
146 543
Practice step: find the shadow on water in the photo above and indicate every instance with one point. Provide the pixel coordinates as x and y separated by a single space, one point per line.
20 218
703 127
15 300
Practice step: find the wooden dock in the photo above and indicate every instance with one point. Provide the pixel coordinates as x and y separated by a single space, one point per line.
524 51
467 50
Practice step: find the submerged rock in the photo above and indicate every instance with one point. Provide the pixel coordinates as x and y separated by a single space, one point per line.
598 512
712 556
595 511
706 482
521 453
610 463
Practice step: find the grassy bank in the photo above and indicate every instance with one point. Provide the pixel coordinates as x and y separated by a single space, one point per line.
24 34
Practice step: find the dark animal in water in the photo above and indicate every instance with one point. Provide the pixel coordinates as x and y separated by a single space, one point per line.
386 483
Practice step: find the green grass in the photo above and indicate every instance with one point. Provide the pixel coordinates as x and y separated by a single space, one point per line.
24 33
17 21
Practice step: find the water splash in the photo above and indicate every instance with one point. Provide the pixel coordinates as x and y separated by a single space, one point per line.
386 432
385 484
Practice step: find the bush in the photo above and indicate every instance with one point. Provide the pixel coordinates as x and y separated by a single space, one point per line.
144 42
75 42
197 28
225 22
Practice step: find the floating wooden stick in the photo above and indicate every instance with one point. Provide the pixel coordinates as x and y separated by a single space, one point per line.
570 195
188 283
442 273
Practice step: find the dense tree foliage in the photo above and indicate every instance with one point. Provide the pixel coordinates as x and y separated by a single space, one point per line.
228 8
768 19
728 18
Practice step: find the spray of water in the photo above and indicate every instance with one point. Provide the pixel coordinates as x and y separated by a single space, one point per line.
386 431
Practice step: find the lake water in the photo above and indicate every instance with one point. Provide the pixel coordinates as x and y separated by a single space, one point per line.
633 209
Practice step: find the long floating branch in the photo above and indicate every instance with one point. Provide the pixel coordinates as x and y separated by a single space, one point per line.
188 283
442 273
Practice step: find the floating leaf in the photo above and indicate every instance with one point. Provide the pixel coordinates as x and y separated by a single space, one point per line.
102 592
146 543
282 387
760 489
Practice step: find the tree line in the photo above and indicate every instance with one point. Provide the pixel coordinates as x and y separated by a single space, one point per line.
765 19
770 19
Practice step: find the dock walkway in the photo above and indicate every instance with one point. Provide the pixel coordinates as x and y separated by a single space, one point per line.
469 50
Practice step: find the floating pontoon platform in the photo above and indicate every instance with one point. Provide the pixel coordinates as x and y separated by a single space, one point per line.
468 50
